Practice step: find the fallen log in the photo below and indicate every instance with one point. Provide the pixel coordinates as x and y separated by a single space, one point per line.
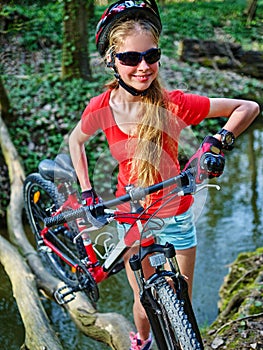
222 55
110 328
38 330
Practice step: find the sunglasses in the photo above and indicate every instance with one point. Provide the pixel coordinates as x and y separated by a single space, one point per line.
133 58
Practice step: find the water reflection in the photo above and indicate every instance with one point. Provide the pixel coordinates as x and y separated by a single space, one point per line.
230 223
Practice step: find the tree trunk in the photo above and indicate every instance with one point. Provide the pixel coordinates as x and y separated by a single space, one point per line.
18 261
250 11
5 105
75 56
38 331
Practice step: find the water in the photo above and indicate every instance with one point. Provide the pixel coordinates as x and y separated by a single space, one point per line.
230 222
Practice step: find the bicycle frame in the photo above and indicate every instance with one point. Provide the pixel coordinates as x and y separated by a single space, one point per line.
163 294
101 272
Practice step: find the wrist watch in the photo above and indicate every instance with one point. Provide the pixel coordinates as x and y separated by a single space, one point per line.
227 139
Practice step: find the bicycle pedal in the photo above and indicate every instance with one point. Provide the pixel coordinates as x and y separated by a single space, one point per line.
64 295
43 248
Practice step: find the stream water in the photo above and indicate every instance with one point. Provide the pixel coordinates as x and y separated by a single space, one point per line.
230 222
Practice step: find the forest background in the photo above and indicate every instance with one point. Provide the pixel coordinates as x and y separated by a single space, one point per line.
50 68
48 73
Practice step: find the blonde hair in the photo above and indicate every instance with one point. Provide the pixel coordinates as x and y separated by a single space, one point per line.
146 158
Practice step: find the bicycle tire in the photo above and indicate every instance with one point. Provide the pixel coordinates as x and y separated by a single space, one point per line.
41 199
182 333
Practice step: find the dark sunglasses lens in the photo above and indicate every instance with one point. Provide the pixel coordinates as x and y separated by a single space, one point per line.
130 58
133 58
152 56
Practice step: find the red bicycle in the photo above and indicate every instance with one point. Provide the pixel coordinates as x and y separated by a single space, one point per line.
62 227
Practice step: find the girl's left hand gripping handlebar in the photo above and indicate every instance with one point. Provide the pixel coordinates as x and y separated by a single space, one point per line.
208 161
70 215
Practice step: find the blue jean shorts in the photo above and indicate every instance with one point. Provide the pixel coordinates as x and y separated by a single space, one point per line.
179 230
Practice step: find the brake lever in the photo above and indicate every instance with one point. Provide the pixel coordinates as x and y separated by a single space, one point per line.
203 186
102 222
96 223
192 187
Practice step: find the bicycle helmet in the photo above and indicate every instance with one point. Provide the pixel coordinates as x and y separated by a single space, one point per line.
123 10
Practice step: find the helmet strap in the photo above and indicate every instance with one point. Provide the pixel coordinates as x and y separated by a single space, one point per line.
129 88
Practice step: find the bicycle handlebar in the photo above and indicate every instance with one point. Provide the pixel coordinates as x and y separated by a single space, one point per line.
182 180
185 182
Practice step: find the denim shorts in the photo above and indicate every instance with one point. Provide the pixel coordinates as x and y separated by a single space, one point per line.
179 230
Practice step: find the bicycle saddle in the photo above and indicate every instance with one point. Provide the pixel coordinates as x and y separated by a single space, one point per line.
60 169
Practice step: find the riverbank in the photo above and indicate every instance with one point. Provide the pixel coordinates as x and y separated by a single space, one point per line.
239 325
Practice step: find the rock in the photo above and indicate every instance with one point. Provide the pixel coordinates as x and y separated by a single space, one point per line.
222 55
217 342
241 327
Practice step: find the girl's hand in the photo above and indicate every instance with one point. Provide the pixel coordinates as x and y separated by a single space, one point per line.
90 197
208 161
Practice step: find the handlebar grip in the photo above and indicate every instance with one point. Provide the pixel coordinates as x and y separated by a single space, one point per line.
64 217
212 163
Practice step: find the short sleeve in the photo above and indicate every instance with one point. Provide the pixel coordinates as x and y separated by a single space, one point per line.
97 114
190 108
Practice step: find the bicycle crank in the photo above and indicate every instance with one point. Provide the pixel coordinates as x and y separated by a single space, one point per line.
87 283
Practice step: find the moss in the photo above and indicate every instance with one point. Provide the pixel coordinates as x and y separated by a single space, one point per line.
241 305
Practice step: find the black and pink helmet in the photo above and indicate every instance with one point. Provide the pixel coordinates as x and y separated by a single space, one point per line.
129 9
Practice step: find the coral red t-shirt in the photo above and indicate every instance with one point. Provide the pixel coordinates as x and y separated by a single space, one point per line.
184 110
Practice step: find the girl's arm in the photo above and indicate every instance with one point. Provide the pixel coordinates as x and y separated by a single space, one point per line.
77 141
241 113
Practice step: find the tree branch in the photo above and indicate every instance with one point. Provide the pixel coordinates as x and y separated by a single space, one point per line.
239 320
108 328
38 331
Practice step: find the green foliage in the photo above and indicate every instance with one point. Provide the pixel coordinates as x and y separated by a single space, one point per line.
222 20
48 108
216 20
35 26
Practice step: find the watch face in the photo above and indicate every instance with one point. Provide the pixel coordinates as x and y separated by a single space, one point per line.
229 139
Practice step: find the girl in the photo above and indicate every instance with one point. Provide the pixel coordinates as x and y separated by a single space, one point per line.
142 122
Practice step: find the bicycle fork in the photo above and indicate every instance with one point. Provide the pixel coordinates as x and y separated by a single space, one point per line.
151 306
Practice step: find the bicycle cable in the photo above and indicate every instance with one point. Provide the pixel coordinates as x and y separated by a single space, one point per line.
172 195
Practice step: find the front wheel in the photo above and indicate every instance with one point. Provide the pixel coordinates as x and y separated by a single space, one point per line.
180 332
